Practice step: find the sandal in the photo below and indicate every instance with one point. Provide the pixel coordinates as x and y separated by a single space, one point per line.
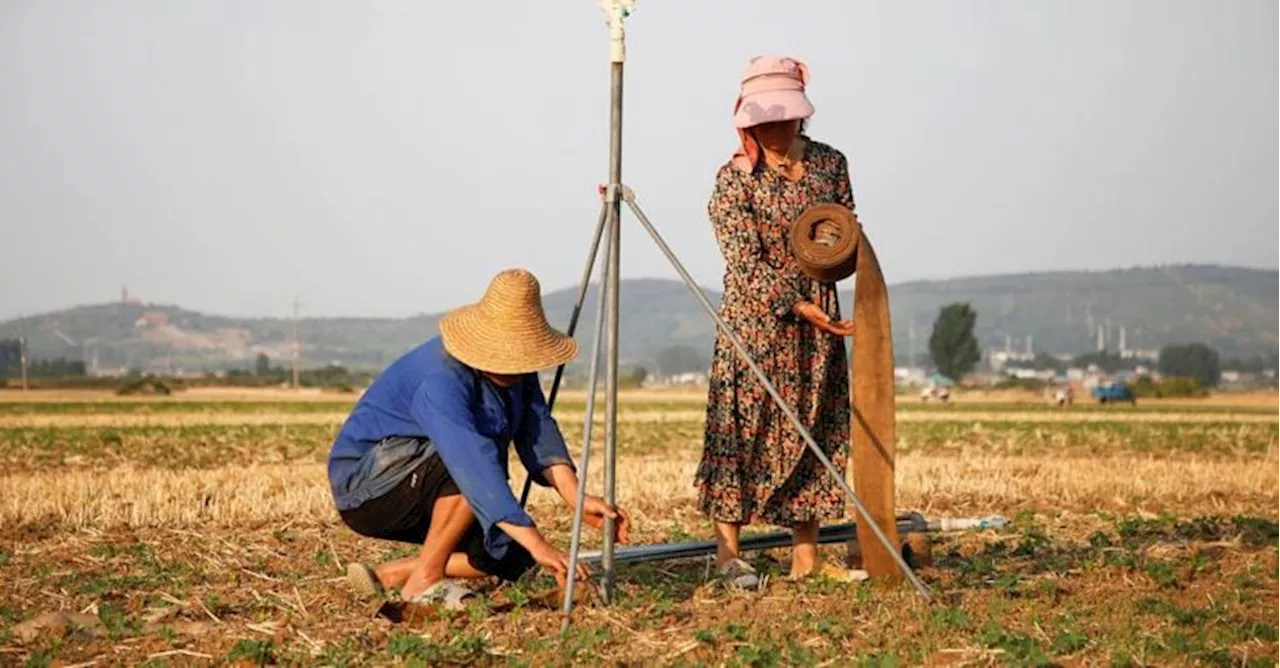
738 574
363 580
448 593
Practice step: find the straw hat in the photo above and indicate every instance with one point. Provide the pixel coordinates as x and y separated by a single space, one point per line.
506 331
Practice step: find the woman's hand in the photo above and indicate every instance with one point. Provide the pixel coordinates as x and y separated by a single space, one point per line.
818 318
594 512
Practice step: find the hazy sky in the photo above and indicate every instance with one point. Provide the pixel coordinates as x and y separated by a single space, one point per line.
386 158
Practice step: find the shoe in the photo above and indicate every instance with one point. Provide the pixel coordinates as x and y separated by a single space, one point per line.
739 574
448 593
364 581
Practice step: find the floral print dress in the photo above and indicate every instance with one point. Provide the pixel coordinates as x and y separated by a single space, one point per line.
755 464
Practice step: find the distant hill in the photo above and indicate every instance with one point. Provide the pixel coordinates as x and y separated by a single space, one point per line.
1232 309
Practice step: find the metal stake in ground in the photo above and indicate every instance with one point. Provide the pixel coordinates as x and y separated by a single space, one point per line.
616 11
575 544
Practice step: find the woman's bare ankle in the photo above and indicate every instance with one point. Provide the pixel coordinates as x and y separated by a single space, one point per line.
801 569
725 555
803 561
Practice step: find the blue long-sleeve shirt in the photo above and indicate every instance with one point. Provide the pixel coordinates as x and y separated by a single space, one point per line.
470 422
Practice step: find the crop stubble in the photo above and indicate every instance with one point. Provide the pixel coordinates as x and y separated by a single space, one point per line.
244 506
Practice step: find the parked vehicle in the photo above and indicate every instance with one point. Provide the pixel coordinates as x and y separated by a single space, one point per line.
937 389
1109 394
937 393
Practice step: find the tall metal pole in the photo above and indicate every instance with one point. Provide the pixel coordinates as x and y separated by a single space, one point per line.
617 54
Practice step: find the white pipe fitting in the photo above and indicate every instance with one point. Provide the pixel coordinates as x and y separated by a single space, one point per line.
617 11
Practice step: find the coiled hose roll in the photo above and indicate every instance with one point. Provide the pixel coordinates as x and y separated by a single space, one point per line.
830 246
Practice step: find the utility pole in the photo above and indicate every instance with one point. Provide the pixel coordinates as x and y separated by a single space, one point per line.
22 351
295 343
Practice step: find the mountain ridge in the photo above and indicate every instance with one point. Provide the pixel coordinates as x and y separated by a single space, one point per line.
1233 309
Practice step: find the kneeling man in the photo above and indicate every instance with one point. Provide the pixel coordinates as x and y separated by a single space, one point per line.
423 456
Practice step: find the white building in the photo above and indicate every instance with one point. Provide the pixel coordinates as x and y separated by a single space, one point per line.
909 375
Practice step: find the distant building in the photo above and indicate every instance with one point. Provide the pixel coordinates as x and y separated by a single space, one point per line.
151 319
909 375
999 359
687 378
1023 373
1139 354
125 299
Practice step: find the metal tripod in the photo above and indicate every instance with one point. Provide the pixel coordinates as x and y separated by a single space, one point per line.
607 329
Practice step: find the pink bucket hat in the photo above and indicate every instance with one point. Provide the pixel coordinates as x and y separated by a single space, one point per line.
772 90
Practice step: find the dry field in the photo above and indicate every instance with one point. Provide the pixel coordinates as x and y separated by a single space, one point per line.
198 530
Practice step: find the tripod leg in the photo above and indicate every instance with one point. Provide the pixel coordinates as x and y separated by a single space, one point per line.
576 540
573 322
611 400
777 398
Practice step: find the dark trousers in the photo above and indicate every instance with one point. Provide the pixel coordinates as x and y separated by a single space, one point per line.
404 515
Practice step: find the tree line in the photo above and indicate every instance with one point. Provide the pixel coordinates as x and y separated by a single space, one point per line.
954 351
53 367
266 373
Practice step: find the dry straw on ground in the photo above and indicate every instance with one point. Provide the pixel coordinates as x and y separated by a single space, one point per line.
232 496
174 419
251 548
692 395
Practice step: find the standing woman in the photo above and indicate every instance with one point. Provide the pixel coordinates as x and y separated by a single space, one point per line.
755 464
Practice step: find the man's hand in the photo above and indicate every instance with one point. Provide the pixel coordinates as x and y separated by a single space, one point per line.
554 561
594 512
557 563
594 509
